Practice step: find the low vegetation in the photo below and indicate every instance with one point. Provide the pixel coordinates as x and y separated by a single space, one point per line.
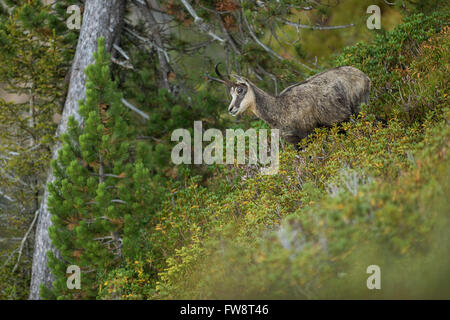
371 191
356 195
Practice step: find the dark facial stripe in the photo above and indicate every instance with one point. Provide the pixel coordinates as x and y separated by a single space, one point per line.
240 96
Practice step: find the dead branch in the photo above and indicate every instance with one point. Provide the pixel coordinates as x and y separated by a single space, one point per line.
25 239
139 112
200 23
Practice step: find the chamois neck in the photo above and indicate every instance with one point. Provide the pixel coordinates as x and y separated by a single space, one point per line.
265 105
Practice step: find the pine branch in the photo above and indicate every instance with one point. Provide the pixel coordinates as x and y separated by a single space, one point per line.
266 48
203 26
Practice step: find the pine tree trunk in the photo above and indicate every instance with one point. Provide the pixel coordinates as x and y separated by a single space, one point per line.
101 18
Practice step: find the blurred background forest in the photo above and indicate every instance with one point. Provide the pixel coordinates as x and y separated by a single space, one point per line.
374 195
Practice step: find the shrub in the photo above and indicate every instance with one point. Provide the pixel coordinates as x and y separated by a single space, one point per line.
356 195
388 62
289 236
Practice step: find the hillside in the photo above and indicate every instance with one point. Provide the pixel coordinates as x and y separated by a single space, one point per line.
372 194
96 204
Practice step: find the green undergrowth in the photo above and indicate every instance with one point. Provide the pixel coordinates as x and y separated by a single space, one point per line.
357 195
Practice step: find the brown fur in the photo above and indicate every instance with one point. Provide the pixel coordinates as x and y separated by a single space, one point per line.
325 99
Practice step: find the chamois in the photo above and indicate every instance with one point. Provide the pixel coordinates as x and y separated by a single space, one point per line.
322 100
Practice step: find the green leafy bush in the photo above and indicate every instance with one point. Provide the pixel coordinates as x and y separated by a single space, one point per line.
356 195
372 194
388 61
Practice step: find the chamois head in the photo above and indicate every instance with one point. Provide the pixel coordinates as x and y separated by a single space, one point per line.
242 94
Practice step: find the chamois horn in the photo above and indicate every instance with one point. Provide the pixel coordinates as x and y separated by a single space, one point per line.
221 79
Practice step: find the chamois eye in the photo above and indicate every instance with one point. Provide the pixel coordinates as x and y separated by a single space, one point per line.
239 90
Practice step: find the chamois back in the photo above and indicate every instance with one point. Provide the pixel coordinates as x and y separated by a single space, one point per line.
327 98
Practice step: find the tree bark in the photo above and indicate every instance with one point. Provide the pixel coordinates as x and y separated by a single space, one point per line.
101 18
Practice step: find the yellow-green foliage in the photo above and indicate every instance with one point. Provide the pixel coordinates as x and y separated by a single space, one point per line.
323 44
33 64
356 195
396 71
128 283
361 221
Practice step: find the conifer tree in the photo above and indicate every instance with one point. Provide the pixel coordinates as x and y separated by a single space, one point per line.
101 195
32 67
34 60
